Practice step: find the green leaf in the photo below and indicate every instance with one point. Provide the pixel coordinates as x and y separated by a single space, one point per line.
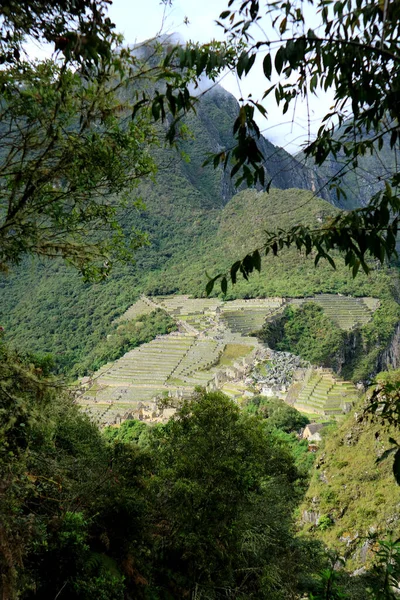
155 111
330 261
234 269
396 466
242 64
257 260
356 267
279 59
210 284
209 287
250 63
248 263
267 66
224 285
385 455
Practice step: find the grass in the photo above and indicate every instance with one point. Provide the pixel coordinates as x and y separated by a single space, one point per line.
358 494
318 418
232 390
233 352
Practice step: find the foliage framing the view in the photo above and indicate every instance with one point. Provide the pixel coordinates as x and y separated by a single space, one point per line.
76 130
353 50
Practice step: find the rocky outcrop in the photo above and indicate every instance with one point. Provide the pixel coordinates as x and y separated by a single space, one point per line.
390 358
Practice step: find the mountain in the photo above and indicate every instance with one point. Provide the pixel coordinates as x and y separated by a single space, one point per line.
195 224
360 179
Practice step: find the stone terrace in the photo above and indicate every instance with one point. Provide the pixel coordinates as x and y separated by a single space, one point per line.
245 316
345 311
324 393
141 307
172 365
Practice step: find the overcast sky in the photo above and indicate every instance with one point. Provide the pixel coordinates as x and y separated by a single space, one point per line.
139 21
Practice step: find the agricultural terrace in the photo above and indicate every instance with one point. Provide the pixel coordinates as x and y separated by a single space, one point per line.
324 393
141 307
345 311
213 350
247 316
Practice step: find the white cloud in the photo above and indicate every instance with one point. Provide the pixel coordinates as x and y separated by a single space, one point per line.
140 21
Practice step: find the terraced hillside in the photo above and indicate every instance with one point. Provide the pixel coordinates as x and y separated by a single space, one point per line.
194 314
324 393
246 316
141 307
345 311
171 365
136 378
211 349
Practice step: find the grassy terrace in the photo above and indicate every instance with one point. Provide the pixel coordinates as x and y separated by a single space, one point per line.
202 356
234 352
176 363
141 307
325 393
196 312
345 311
151 363
183 305
245 316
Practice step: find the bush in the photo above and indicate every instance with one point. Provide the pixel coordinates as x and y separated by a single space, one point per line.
279 414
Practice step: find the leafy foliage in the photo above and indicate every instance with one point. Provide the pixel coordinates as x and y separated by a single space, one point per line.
223 488
55 469
76 130
94 516
45 307
354 51
387 570
131 431
79 30
384 403
203 503
278 413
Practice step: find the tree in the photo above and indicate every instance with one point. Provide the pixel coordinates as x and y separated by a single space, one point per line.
76 130
65 147
67 156
73 511
354 50
278 413
309 333
79 30
223 492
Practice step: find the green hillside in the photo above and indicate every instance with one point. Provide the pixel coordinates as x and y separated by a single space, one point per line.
352 500
47 308
158 442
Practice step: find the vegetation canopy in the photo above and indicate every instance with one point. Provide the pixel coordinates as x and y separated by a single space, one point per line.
76 131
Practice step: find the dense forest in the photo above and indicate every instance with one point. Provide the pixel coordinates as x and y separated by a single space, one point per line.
116 182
